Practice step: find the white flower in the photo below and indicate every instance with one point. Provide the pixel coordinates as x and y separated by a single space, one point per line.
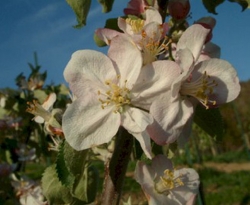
164 185
110 92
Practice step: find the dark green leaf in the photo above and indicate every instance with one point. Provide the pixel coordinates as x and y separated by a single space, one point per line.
209 120
243 3
211 5
81 9
85 187
106 5
64 175
74 160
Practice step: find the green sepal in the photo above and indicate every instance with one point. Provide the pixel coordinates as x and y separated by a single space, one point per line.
210 120
81 10
106 5
211 5
53 189
64 175
243 3
99 42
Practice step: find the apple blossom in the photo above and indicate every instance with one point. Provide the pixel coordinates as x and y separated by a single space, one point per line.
210 82
112 91
46 114
149 34
162 184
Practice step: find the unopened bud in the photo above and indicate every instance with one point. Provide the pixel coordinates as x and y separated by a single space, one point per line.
178 9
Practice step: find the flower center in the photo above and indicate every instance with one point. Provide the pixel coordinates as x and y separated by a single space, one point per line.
136 24
200 89
167 182
153 46
115 95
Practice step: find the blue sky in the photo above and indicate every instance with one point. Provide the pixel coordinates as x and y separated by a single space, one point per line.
45 26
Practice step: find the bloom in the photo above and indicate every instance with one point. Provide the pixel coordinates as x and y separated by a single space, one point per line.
149 34
111 91
162 184
210 82
46 114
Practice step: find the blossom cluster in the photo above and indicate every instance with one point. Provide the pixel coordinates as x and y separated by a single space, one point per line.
150 85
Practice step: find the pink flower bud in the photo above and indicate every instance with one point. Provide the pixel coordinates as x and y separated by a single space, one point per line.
209 23
179 9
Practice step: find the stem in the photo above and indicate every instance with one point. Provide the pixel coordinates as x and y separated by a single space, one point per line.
115 169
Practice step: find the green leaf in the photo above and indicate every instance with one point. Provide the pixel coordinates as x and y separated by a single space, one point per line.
243 3
210 120
211 5
81 9
74 160
64 175
106 5
86 185
53 190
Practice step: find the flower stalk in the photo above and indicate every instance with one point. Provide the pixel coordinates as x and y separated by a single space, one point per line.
115 169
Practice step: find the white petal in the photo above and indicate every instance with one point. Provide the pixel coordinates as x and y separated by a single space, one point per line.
171 116
86 124
145 142
225 76
106 34
135 120
153 15
127 59
91 65
193 39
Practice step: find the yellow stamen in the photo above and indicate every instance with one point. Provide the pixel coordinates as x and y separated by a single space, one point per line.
136 24
168 182
200 89
115 95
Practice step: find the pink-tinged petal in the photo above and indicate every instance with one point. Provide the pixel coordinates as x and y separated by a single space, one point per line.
153 15
135 120
124 26
148 175
154 79
93 65
127 59
170 116
106 34
193 39
190 178
85 124
144 140
224 75
135 7
161 163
